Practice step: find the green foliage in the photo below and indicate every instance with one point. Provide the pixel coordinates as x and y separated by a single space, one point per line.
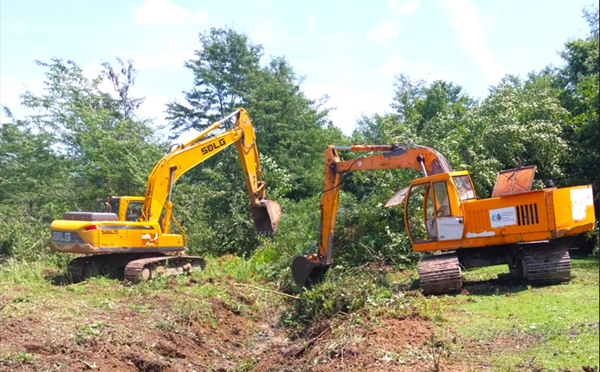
223 71
368 291
83 143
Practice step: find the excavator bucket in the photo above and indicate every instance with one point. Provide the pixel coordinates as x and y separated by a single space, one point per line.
306 271
266 217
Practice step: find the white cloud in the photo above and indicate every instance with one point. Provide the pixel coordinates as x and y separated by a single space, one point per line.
159 11
471 38
12 28
384 31
268 32
261 36
392 4
404 8
173 56
311 23
409 7
154 108
200 16
153 12
422 70
349 104
92 71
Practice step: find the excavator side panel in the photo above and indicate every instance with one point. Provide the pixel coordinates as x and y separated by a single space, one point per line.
519 218
111 237
573 209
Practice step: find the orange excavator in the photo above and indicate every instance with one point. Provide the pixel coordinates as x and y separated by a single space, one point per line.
517 226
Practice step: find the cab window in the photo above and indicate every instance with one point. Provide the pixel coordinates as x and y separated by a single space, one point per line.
103 206
134 210
464 187
442 202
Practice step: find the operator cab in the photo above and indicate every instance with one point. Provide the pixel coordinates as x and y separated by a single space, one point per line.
433 210
128 208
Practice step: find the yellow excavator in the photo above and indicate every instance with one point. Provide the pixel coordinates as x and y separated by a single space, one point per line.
515 227
134 233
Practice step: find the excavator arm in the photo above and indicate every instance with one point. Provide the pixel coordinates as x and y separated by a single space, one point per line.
306 269
183 157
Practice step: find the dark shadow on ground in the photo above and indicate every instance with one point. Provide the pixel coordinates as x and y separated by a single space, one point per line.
62 278
505 284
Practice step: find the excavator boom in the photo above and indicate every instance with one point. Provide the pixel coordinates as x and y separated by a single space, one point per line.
306 269
186 156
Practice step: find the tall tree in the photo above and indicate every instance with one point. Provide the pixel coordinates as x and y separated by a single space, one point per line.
225 65
579 82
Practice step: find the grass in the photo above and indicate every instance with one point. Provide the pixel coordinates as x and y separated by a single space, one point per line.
553 327
507 326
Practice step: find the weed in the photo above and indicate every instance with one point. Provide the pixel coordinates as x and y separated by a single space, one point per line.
164 326
190 310
142 309
246 365
436 349
24 358
88 332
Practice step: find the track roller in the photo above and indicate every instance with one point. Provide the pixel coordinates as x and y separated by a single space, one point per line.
440 274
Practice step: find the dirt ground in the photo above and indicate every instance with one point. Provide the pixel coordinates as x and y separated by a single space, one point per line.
224 325
123 339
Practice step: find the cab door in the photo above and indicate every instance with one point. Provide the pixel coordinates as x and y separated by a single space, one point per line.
448 212
419 214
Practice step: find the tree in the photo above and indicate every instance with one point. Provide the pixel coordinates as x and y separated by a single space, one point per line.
524 119
292 130
80 145
578 81
225 65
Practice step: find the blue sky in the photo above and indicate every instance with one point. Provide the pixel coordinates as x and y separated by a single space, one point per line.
350 50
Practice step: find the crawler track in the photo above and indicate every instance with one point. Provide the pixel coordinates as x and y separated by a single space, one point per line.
440 274
86 266
147 268
134 267
546 264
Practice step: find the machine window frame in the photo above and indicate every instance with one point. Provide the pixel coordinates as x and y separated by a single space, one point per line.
134 203
438 187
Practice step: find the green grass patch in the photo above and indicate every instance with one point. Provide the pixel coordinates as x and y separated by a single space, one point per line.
556 325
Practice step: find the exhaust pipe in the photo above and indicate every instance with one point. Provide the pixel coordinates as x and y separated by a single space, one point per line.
266 217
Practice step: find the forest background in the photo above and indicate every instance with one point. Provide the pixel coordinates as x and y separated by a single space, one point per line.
83 143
